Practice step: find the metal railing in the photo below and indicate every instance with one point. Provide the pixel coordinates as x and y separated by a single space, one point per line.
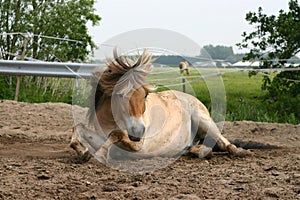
49 69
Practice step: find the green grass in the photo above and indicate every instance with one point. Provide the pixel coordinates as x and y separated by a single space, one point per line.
243 95
38 89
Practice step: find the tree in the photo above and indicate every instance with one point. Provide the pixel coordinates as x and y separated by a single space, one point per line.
275 40
12 16
38 19
217 52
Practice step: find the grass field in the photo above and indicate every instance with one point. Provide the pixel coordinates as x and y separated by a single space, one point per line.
242 96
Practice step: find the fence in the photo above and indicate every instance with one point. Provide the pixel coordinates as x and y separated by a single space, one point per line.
83 70
46 69
49 69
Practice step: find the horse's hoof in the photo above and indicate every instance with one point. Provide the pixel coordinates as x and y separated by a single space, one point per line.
242 152
86 156
101 156
102 159
238 152
205 152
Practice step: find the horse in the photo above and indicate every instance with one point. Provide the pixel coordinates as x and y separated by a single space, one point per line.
184 67
126 112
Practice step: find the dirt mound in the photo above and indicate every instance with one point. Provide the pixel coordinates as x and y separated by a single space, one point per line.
37 163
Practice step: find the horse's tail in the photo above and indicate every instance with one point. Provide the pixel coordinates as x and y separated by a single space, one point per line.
253 145
240 143
249 145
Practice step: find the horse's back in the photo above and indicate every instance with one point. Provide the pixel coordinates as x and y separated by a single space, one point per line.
187 101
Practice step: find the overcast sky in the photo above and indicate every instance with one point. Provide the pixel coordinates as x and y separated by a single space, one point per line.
217 22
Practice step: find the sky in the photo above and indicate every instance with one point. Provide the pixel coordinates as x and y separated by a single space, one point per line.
216 22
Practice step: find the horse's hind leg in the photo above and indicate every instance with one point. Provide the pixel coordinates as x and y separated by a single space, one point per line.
207 125
224 144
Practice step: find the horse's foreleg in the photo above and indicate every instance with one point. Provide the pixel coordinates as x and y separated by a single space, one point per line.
75 144
121 139
113 138
127 144
201 151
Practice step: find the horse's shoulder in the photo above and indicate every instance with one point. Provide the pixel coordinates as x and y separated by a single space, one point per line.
165 98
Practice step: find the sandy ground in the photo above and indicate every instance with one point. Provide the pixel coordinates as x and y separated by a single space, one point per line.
37 163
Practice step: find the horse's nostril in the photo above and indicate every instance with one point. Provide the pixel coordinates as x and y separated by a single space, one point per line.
135 139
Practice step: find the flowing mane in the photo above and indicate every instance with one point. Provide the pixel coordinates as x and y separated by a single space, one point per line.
121 75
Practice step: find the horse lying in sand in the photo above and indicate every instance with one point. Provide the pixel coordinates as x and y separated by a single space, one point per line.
145 124
184 67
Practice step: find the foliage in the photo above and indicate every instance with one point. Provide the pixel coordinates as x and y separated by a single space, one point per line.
217 52
278 36
36 19
274 42
221 53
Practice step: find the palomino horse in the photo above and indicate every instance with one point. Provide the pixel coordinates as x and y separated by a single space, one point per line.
145 124
184 67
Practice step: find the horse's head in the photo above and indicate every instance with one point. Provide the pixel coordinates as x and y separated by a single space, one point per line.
125 80
129 109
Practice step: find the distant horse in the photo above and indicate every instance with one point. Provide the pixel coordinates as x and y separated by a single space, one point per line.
146 124
184 67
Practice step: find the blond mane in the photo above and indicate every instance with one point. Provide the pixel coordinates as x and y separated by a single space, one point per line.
122 75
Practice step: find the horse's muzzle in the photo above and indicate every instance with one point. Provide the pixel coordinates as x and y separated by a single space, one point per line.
135 129
136 133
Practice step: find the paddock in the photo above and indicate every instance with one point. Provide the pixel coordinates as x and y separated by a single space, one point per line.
37 163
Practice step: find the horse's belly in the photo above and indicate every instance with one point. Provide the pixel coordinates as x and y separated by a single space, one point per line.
168 123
